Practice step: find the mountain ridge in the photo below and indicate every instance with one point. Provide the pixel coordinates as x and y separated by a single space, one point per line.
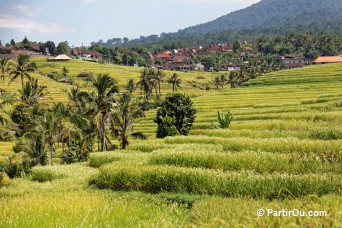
289 14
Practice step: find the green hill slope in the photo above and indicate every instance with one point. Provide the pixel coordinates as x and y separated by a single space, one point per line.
277 15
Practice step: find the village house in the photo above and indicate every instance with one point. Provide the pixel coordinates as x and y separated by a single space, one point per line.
293 60
328 59
92 56
58 58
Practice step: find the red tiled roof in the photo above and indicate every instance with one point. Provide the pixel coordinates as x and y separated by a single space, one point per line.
328 59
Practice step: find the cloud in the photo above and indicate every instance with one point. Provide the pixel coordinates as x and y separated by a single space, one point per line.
26 9
28 26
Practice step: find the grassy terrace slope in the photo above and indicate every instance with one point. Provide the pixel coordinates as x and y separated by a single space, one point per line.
282 151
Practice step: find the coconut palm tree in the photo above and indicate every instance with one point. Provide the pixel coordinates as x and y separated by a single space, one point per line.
217 81
101 100
33 92
121 118
158 78
131 86
146 83
175 81
5 67
21 69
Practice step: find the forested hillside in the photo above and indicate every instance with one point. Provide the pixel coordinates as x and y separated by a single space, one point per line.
268 17
278 15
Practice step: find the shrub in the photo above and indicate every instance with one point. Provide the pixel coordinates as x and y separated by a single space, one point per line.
41 175
224 119
166 127
179 107
19 164
4 179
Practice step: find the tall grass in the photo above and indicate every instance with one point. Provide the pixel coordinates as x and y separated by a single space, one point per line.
154 179
259 162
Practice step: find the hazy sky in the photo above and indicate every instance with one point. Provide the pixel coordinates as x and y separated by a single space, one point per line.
83 21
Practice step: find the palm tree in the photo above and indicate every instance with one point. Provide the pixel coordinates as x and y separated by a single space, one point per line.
33 92
22 69
121 119
101 100
217 81
158 78
223 79
146 83
50 127
8 99
174 81
131 86
5 67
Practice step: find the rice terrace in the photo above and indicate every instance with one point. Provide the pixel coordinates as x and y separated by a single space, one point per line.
210 126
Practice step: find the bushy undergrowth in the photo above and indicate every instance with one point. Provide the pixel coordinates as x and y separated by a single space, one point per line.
4 179
43 175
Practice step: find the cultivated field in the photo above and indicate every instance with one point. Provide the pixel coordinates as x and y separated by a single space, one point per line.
283 150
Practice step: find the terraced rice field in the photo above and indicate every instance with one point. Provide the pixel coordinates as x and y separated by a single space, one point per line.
282 152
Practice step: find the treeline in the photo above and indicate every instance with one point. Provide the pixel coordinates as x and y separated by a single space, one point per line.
309 44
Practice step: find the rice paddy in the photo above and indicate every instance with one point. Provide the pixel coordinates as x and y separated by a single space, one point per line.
283 151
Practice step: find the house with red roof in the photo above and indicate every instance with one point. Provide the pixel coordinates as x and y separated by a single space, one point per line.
328 59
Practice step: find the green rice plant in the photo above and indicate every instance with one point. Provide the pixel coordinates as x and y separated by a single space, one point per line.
259 162
146 147
324 149
242 212
42 175
99 159
154 179
90 209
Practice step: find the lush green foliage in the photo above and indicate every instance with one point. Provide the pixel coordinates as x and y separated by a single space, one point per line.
180 108
224 119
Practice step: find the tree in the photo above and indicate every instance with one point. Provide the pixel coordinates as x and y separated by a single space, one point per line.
131 86
101 100
146 83
51 46
65 71
217 81
236 46
50 124
5 131
21 69
175 81
12 42
62 47
179 107
5 67
25 41
122 117
33 92
166 127
158 78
